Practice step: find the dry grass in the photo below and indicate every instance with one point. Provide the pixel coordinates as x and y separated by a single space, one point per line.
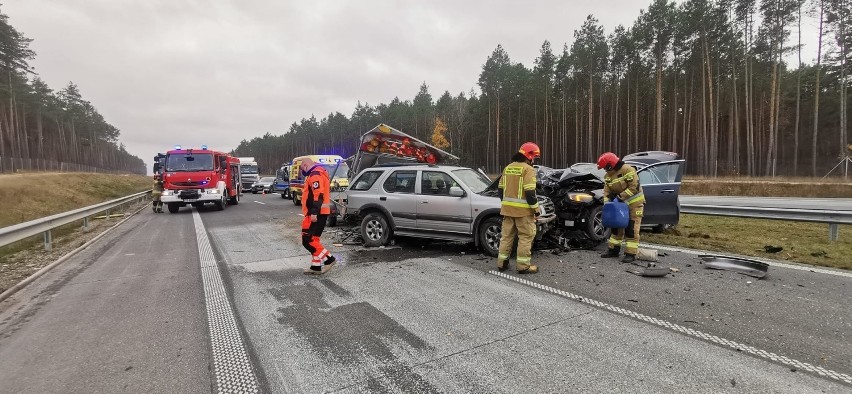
763 187
801 242
31 196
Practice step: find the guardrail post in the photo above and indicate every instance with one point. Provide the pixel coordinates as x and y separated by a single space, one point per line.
833 231
86 224
48 241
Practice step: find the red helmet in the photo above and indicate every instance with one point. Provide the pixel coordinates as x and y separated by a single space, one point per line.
530 150
607 161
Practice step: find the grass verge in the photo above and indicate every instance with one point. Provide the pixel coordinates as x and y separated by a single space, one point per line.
800 242
31 196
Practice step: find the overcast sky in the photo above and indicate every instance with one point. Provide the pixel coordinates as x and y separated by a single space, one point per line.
214 72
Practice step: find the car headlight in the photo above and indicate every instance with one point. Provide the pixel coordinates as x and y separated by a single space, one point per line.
580 197
166 193
212 191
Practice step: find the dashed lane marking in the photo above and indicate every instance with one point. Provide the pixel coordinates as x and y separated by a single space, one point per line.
231 364
799 365
772 263
261 203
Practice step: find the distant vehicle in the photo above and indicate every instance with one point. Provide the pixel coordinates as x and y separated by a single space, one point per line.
263 185
577 192
430 201
338 172
248 171
198 176
282 181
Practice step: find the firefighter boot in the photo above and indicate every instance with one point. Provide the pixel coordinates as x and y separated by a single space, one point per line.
502 266
628 258
532 269
610 253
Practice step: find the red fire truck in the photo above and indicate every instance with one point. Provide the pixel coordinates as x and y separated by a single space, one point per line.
198 176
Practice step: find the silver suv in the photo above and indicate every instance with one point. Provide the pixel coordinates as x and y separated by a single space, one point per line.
430 201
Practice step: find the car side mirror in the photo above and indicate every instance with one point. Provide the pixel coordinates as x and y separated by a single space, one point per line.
456 191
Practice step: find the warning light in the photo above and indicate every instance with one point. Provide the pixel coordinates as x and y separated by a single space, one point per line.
177 147
203 147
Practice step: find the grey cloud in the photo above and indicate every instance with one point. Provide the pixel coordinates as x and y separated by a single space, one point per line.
217 72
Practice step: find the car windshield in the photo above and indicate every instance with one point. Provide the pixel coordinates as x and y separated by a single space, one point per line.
337 171
267 179
474 180
180 162
248 168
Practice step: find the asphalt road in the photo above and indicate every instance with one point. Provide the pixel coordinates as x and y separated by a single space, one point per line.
416 316
832 204
126 315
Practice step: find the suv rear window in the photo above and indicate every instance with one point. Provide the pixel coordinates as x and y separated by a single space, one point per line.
366 180
401 182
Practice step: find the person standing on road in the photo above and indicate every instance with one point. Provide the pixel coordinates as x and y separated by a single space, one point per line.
156 192
622 182
316 206
519 207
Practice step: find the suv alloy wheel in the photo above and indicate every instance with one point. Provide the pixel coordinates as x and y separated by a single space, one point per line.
375 229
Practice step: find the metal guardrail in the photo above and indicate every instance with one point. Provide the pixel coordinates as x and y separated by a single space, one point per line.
44 225
833 218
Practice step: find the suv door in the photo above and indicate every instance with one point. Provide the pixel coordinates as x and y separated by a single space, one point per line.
661 185
398 197
436 209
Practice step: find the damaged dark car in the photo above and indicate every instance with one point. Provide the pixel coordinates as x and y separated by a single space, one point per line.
577 193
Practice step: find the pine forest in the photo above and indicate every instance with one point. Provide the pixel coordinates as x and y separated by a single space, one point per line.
38 124
722 82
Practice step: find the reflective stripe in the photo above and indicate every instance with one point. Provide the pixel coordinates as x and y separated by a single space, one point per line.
628 192
631 245
502 257
639 212
326 205
626 177
524 259
635 199
529 187
613 241
519 204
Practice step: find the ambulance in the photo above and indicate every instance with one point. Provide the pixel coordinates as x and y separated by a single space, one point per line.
338 172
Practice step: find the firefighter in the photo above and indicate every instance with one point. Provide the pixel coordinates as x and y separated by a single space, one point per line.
156 192
316 206
622 182
519 207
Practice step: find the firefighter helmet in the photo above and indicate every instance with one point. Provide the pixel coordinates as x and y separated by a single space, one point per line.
530 151
607 161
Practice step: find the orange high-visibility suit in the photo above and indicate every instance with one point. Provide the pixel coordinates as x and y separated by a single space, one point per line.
316 202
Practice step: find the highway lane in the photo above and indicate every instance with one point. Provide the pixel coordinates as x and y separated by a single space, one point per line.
425 317
429 318
833 204
125 315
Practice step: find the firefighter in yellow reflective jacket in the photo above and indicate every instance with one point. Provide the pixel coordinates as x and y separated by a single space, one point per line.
622 182
156 192
519 207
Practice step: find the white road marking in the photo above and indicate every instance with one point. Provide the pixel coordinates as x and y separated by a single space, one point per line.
772 263
231 364
263 203
687 331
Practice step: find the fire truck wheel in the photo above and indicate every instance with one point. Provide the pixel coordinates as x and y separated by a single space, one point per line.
173 208
221 204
